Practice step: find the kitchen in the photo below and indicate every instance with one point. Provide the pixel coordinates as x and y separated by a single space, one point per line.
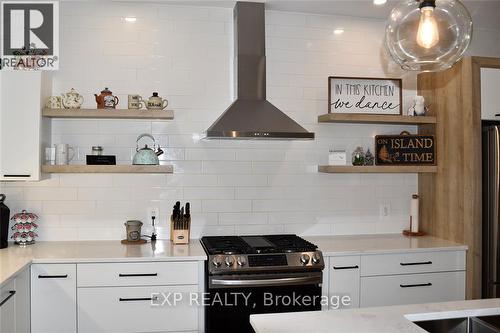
234 187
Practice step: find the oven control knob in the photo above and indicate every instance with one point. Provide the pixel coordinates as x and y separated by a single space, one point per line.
316 259
241 261
229 261
304 258
216 262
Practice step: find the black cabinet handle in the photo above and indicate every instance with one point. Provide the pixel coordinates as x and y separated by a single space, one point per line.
415 263
132 275
497 114
11 293
136 299
415 285
346 267
17 176
53 276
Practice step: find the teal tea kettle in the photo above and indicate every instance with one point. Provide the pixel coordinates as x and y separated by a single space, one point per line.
146 155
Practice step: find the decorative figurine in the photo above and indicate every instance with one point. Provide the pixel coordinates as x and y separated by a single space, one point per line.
358 156
418 108
369 158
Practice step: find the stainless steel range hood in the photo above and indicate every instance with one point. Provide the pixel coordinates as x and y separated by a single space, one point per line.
251 116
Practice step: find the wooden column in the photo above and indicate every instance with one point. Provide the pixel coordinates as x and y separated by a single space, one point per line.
451 198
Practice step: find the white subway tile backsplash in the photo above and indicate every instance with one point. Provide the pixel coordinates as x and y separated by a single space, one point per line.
245 187
48 194
191 180
242 180
210 154
191 193
68 207
225 206
258 229
242 218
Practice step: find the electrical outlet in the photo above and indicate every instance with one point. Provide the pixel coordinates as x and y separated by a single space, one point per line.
153 211
385 209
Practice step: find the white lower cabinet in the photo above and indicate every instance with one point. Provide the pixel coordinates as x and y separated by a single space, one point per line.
397 278
115 298
412 289
15 304
344 281
131 309
53 298
23 317
8 307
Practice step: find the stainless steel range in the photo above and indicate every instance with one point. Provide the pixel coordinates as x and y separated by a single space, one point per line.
273 273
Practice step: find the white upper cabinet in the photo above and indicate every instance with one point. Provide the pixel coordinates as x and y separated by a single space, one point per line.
490 94
21 100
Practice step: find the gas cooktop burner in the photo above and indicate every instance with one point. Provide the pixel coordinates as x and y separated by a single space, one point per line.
271 253
256 244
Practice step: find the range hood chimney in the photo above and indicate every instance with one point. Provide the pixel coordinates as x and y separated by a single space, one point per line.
251 116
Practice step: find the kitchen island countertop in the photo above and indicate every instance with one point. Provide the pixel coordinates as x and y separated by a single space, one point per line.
387 319
15 258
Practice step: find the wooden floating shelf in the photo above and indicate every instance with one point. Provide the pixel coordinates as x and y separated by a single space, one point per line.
377 169
107 168
108 114
374 119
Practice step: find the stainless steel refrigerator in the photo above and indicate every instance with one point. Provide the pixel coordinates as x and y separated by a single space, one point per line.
491 209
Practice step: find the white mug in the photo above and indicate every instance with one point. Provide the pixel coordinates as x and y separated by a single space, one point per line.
64 153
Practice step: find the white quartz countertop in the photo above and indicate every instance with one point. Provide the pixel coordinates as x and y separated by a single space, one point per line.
14 258
387 319
384 243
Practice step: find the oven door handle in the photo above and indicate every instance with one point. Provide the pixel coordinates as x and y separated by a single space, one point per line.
267 282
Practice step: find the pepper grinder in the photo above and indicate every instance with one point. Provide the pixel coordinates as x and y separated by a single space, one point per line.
4 222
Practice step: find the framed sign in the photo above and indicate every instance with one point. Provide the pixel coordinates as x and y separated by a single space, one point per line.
405 149
365 95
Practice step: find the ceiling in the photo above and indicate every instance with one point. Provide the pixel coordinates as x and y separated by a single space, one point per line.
485 13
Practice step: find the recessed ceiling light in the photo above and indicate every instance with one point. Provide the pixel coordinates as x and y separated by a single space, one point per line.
379 2
130 19
338 31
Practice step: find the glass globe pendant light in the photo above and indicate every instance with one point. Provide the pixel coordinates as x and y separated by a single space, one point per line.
428 35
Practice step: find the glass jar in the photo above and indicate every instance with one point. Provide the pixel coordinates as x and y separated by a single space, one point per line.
358 156
97 150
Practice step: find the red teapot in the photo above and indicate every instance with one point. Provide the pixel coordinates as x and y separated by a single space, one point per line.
106 100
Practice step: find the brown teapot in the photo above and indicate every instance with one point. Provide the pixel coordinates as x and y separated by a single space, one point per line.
106 100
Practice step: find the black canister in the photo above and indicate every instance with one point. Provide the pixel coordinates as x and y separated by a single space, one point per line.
4 222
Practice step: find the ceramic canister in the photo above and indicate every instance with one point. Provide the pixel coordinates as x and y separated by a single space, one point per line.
53 102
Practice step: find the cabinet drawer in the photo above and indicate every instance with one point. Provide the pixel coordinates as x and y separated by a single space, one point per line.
412 289
407 263
127 309
53 298
137 274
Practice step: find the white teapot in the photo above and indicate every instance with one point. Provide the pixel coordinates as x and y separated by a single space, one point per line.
72 99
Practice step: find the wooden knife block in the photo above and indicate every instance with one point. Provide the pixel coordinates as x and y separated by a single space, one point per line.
179 236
